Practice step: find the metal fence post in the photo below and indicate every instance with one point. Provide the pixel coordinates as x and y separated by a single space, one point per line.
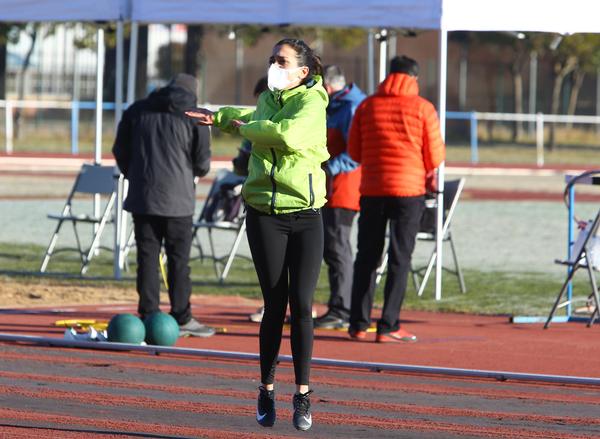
570 242
8 120
474 140
539 138
75 127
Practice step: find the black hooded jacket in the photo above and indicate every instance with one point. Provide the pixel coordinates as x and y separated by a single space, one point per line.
160 151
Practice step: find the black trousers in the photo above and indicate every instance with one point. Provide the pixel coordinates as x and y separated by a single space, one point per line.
287 251
404 215
337 226
176 233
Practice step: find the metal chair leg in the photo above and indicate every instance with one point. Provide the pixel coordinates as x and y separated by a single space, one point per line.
427 273
461 279
415 277
381 269
594 294
233 251
50 248
213 254
558 299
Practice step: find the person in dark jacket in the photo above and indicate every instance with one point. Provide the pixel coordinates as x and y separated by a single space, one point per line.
160 151
343 181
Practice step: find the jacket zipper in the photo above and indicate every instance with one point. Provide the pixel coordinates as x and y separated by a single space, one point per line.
310 187
273 185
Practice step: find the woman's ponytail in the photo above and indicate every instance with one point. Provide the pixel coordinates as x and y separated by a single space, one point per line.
317 65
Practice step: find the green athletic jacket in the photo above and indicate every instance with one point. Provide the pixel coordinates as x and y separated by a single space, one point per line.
288 134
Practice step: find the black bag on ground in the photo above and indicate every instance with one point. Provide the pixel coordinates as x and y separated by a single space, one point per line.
224 204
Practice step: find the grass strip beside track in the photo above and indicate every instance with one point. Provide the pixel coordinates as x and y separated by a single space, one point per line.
492 293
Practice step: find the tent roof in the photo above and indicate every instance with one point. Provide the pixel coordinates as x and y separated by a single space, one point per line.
64 10
397 13
558 16
481 15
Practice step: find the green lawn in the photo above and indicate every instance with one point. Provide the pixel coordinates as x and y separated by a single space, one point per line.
488 292
524 154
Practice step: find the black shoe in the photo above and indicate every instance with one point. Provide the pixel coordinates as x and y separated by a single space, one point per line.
302 417
331 321
265 408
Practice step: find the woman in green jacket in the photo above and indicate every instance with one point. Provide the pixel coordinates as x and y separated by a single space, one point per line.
284 192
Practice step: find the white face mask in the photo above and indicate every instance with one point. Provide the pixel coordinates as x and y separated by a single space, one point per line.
278 78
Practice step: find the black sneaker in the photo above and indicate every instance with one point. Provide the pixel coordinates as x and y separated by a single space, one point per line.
265 408
302 417
331 321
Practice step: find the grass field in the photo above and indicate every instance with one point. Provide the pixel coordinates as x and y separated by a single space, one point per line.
488 292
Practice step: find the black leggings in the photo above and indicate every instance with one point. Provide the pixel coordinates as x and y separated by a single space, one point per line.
287 250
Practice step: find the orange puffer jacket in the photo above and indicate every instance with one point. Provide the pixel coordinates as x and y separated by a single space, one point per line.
395 136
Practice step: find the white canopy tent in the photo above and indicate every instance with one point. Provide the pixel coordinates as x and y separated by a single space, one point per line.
66 10
477 15
74 11
83 11
443 15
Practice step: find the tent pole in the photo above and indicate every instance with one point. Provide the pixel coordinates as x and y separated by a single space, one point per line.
119 74
99 90
383 49
121 215
443 67
99 98
370 62
533 68
119 218
133 45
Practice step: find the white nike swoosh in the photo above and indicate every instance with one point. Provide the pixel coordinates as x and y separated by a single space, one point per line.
260 417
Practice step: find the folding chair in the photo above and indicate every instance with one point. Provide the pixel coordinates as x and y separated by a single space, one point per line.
224 211
585 254
427 232
96 181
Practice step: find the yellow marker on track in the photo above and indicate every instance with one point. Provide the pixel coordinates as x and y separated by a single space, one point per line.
163 270
98 325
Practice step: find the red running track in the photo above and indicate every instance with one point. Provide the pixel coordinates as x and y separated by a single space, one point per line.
50 392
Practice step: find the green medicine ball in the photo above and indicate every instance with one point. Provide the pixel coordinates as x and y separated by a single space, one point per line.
126 328
161 329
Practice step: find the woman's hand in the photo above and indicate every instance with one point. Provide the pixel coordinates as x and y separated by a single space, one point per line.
202 116
237 123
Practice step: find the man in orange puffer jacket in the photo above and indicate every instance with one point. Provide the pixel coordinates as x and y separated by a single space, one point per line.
395 136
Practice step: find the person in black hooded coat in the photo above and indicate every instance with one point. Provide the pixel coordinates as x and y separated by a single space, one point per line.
160 151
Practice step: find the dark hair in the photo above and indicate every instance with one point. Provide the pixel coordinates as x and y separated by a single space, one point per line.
404 64
261 85
305 56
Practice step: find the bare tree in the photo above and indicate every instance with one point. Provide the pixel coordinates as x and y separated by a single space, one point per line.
34 31
9 34
192 57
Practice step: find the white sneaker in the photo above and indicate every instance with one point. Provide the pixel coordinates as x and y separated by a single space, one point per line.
195 329
258 315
